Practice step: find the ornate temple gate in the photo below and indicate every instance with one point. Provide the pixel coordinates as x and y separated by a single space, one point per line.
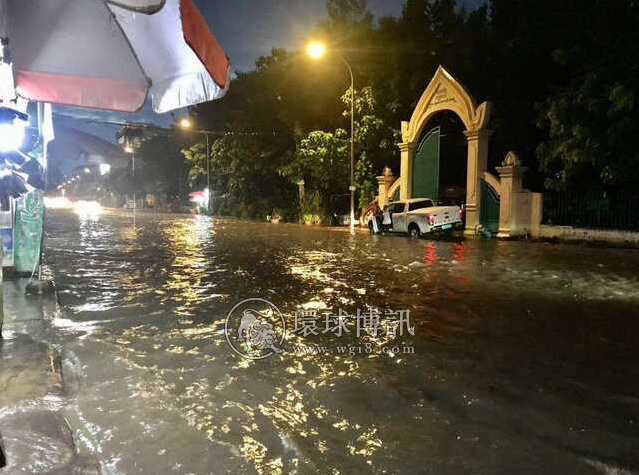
493 204
445 93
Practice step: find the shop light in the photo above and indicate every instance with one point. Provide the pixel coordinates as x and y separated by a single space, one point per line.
13 124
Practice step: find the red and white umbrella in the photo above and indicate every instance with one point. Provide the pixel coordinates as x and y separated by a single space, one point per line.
112 54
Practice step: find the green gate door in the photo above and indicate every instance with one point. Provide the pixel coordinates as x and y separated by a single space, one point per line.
426 166
489 209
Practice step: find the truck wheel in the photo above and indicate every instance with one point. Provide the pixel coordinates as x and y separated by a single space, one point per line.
414 231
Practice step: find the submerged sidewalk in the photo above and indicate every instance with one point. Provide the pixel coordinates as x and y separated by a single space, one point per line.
34 436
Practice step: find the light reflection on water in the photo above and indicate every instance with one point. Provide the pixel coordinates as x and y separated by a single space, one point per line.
526 354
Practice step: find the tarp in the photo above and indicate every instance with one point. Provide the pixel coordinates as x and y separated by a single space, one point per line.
70 52
192 67
109 55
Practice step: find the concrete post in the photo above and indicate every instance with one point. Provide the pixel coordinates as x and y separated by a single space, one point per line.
536 212
477 163
384 183
515 209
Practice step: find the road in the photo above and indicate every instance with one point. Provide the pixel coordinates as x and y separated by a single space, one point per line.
525 355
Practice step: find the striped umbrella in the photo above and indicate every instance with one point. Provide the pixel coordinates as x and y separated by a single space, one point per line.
110 54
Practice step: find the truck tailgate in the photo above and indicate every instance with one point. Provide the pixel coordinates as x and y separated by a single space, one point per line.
445 215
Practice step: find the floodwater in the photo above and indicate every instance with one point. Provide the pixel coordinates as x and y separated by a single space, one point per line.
526 355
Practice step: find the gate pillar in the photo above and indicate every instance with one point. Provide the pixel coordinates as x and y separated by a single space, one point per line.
477 163
407 150
384 184
515 204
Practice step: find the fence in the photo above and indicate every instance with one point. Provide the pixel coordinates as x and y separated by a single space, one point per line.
592 210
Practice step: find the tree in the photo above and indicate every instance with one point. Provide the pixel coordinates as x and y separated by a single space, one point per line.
243 179
592 119
160 166
321 160
196 158
374 142
348 12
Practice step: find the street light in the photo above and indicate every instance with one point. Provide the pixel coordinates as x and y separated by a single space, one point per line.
130 149
186 124
317 50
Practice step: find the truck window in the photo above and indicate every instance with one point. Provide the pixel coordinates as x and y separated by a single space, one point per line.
396 208
420 205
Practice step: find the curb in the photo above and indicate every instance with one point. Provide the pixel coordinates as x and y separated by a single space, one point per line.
34 435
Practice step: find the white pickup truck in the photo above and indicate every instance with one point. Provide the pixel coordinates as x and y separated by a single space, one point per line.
417 217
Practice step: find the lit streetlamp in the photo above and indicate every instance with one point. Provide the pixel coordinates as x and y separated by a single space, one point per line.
317 50
186 124
130 149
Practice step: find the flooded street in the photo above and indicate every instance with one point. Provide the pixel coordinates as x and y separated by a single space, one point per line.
526 355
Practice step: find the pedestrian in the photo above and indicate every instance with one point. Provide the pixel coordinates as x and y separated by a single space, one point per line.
377 218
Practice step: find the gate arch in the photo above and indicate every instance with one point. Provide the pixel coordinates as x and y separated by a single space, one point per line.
443 93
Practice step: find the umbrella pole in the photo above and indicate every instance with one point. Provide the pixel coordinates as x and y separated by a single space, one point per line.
135 200
46 173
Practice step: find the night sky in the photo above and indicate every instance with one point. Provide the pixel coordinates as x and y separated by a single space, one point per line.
248 29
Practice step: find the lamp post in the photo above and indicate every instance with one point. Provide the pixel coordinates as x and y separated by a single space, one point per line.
131 137
317 50
186 124
130 149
